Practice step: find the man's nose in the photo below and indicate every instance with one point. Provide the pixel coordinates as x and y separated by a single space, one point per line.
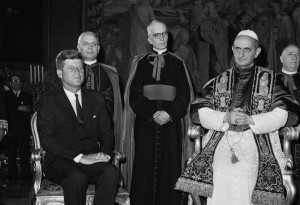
77 70
296 57
161 37
241 53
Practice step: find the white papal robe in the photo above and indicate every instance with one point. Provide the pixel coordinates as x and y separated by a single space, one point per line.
234 183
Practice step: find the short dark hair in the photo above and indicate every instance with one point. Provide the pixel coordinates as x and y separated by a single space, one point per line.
64 55
15 75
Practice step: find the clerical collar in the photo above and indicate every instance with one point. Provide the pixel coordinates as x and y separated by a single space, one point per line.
289 72
90 62
160 51
245 69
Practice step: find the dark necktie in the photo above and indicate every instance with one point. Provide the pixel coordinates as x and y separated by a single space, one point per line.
79 110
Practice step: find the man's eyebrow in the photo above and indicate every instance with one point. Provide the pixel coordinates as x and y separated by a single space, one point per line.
241 47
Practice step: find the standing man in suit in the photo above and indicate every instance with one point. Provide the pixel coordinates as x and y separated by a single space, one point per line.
3 121
102 78
71 123
19 107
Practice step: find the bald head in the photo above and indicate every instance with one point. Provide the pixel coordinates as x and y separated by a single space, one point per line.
290 58
88 46
87 33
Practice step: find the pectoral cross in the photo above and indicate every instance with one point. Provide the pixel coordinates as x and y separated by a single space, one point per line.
234 158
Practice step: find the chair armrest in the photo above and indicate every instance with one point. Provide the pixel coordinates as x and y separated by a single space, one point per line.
196 132
119 156
36 157
288 134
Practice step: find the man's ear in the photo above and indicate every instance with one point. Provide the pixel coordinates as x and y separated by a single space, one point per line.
281 59
98 48
78 48
149 40
59 73
258 50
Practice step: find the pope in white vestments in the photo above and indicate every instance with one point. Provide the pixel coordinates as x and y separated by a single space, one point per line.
242 161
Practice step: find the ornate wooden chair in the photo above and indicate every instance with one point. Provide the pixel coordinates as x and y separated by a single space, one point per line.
46 192
287 134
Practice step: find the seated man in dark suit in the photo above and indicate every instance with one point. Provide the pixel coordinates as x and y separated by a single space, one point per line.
71 122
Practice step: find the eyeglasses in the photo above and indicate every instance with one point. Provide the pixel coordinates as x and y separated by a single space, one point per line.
15 80
159 35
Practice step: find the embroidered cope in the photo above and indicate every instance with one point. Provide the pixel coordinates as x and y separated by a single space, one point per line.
257 175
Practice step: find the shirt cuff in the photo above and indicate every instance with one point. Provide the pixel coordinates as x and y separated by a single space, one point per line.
107 156
77 159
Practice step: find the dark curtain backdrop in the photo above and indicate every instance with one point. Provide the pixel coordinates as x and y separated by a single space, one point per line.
21 30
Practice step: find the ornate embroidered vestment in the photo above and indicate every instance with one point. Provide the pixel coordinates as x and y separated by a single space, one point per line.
198 176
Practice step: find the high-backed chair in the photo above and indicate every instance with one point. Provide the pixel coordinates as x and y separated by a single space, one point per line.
49 193
287 134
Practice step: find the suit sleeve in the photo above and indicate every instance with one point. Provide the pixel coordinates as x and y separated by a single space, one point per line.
106 134
11 105
46 126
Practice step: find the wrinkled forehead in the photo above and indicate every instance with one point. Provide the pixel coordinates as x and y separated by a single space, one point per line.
243 42
88 38
158 28
291 49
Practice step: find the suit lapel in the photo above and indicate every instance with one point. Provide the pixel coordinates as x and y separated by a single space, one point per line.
86 106
66 103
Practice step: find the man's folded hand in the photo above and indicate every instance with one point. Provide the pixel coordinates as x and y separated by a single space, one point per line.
94 158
